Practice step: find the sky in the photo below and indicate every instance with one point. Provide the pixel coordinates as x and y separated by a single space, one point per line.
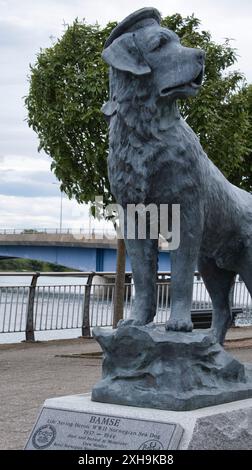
29 192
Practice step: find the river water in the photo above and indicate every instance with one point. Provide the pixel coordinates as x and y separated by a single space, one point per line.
70 306
42 281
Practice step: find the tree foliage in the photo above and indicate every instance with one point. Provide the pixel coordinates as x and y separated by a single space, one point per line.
219 114
242 176
69 84
21 264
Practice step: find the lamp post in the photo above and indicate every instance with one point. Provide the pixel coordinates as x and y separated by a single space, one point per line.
61 207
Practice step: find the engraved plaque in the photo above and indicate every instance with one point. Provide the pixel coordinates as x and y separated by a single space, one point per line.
65 429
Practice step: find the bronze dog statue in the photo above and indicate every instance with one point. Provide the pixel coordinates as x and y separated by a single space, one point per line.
155 157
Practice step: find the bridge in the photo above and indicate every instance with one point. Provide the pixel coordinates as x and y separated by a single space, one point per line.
84 250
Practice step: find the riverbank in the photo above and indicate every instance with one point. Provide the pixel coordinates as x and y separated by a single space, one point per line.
33 372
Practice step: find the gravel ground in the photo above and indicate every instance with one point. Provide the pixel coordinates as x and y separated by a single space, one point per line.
33 372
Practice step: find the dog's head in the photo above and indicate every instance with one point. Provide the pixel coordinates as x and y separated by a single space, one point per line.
141 47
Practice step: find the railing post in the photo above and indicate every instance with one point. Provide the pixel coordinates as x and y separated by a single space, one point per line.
232 302
29 330
85 329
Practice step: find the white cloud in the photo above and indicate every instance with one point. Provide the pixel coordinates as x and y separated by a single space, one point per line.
43 212
28 164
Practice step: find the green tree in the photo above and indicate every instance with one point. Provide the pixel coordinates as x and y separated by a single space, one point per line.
21 264
69 84
219 114
243 175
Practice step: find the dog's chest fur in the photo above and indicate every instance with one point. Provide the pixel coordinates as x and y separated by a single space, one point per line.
153 169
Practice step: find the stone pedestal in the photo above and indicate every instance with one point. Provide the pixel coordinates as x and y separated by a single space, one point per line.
146 366
177 386
76 422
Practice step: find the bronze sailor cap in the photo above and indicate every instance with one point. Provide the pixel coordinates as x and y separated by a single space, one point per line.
138 19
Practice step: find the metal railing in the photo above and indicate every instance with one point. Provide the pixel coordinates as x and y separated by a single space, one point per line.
31 308
61 231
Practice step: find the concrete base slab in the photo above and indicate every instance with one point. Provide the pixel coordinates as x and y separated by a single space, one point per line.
76 422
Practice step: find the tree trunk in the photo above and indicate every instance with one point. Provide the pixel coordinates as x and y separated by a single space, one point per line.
119 282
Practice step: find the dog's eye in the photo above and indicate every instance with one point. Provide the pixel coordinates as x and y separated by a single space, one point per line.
162 41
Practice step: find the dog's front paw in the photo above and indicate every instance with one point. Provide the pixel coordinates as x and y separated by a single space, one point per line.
131 321
128 321
179 325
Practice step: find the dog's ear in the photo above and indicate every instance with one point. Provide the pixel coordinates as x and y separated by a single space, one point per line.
123 54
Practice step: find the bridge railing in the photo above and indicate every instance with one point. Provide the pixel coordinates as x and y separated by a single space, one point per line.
87 232
85 304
